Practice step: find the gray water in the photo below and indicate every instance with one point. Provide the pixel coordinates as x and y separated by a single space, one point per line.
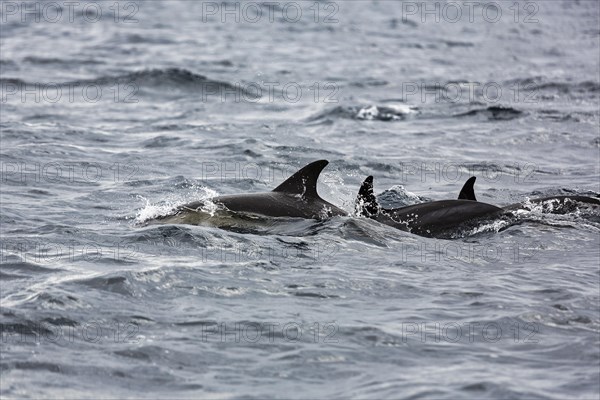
115 113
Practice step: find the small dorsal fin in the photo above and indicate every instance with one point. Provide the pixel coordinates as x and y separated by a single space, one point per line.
366 202
304 182
467 192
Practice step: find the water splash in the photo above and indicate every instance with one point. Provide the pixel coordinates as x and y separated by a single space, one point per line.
175 200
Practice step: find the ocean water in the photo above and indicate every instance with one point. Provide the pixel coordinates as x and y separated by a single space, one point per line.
113 113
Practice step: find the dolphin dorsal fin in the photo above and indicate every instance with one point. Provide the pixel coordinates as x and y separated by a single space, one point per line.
304 182
467 192
366 202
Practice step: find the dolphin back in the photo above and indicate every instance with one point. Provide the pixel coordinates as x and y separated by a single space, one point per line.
436 217
296 197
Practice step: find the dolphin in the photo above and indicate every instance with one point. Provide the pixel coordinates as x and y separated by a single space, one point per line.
426 219
437 218
296 197
468 192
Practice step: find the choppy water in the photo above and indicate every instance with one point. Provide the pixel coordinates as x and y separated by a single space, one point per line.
110 118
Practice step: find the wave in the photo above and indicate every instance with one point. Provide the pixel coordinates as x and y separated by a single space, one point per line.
389 112
49 61
179 78
537 83
493 113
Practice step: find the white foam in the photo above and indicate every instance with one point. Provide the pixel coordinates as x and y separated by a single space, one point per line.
389 111
173 200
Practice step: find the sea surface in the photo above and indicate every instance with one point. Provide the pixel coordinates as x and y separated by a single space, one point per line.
113 113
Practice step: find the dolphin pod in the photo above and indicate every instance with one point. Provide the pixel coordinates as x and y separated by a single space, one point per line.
437 218
297 197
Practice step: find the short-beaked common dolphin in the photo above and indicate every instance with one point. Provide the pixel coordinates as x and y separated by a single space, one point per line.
425 219
296 197
436 218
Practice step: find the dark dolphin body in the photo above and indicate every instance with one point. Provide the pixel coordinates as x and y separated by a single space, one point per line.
427 219
438 218
297 197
